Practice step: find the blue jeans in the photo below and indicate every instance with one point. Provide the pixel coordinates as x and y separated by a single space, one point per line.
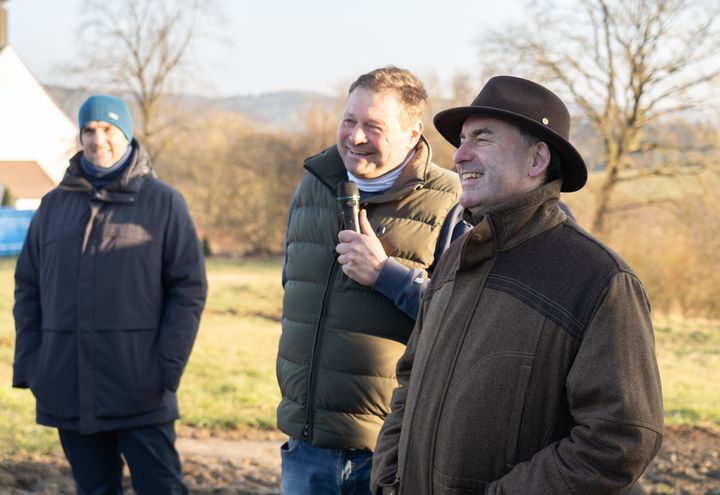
308 470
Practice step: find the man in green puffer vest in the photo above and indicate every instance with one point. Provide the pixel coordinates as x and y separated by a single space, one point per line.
351 298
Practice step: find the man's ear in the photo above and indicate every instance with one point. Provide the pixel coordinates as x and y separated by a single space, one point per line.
415 132
541 160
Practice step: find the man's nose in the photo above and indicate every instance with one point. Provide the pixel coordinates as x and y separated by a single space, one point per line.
95 137
357 136
460 155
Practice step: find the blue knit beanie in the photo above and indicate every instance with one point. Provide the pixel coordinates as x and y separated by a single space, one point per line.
107 109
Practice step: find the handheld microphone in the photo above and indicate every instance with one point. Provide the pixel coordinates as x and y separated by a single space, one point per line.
348 198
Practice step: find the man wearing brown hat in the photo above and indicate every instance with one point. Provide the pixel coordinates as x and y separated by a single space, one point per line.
531 368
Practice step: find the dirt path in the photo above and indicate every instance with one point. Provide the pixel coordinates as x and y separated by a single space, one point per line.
221 466
688 464
238 466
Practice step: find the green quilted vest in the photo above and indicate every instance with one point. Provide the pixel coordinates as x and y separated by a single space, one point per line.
340 340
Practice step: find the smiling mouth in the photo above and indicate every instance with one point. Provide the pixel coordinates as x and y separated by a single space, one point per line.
471 175
359 152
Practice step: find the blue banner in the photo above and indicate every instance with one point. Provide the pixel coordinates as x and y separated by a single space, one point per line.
14 225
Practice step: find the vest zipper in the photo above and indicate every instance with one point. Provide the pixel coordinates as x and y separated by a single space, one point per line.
314 358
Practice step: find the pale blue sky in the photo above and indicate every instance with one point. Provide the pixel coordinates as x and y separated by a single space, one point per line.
315 45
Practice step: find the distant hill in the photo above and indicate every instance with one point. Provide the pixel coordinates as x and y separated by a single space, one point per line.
279 109
275 109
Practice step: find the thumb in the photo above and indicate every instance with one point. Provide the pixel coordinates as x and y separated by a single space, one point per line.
365 227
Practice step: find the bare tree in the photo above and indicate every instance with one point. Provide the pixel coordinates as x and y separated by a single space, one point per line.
628 65
142 47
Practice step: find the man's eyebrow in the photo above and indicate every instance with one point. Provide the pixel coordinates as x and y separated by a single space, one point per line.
477 132
350 115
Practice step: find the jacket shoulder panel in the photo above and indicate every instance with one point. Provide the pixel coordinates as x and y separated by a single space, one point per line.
562 273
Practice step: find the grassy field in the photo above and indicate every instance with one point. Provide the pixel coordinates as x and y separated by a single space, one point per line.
230 383
689 359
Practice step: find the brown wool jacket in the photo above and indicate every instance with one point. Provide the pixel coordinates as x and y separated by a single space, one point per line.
531 368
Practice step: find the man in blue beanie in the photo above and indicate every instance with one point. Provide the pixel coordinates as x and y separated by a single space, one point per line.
105 133
109 289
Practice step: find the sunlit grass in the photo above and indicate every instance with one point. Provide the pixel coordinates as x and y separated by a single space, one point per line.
230 380
689 360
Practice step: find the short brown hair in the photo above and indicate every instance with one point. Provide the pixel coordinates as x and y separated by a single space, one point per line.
406 86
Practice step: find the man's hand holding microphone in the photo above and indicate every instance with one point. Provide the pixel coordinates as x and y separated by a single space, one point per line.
361 255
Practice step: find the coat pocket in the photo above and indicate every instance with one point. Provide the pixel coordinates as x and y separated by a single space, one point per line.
128 377
480 422
54 375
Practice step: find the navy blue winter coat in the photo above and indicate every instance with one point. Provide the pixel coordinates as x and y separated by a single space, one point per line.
109 289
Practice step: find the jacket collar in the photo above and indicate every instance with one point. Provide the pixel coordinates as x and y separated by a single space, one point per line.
521 218
328 167
124 189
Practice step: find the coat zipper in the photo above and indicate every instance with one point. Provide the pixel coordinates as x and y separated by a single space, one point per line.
90 225
314 358
448 379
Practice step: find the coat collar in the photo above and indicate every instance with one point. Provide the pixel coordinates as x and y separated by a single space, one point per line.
124 189
328 167
511 223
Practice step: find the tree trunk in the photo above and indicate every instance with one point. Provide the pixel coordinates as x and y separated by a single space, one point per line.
604 197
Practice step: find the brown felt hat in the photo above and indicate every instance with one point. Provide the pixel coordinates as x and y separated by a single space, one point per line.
529 106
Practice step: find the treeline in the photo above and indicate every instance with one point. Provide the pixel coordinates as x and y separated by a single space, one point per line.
238 178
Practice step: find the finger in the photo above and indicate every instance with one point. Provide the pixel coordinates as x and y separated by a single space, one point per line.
365 226
347 235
